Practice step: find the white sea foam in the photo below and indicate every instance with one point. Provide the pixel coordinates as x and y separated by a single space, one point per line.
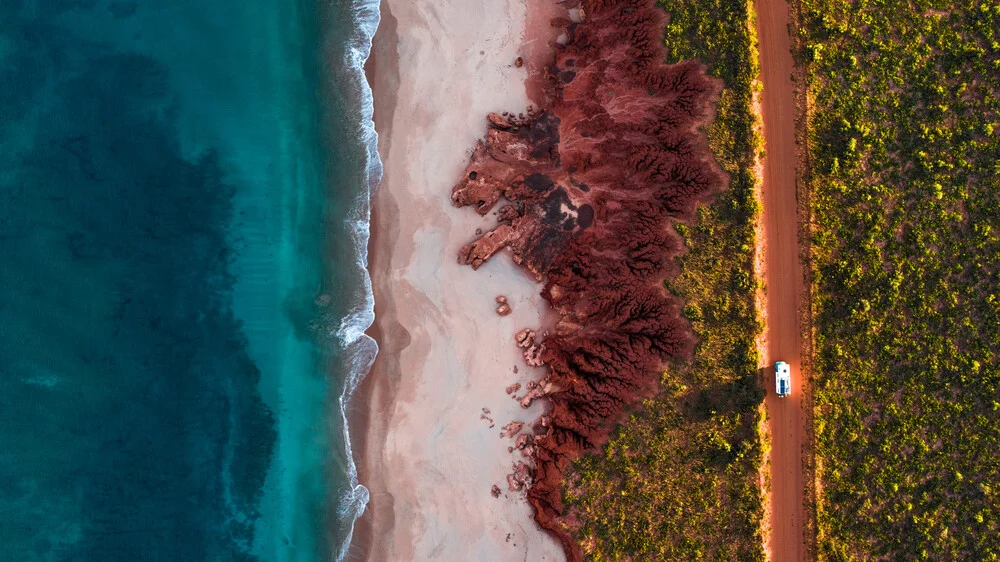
358 348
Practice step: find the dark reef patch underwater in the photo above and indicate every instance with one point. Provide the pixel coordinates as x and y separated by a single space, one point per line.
183 214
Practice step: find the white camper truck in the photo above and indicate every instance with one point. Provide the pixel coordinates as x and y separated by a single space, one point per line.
782 379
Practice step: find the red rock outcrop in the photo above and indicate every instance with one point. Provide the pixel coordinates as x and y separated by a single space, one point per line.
511 429
588 188
520 478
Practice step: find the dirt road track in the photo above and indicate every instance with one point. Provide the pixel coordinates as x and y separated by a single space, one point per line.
783 278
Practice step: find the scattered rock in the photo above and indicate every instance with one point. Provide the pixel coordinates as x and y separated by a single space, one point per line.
533 355
520 478
532 351
512 429
515 369
525 338
512 484
531 385
513 388
499 121
503 309
477 253
528 398
486 416
519 62
501 300
495 491
539 390
522 441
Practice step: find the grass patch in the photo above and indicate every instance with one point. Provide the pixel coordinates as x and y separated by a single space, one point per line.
904 142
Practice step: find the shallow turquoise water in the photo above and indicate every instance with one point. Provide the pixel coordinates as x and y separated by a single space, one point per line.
183 192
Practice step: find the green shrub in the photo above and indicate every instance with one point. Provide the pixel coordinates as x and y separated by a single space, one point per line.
679 480
905 263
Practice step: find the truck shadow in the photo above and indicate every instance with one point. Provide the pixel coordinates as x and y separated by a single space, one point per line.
739 395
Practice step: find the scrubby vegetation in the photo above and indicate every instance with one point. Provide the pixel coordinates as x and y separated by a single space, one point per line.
680 479
904 142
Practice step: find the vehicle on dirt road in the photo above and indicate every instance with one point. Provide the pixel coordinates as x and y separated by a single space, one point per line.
782 379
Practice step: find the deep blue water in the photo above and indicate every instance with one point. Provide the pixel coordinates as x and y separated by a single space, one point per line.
183 196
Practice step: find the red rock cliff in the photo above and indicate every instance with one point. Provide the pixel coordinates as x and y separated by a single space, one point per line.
588 187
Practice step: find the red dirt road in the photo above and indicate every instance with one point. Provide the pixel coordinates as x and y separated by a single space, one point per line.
783 278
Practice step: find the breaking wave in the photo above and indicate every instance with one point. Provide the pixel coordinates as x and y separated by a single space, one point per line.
359 350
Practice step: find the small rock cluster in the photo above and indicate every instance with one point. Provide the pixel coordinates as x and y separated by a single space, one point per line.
532 351
520 478
503 309
486 416
511 429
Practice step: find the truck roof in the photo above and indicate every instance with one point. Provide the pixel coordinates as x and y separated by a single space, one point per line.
782 378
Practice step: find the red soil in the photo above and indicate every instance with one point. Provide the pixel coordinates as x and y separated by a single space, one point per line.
591 185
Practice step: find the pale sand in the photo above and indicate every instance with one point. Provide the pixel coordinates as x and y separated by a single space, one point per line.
426 456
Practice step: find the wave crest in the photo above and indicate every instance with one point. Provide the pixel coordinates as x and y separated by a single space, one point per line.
358 348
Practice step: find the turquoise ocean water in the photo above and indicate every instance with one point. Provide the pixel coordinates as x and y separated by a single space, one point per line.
183 215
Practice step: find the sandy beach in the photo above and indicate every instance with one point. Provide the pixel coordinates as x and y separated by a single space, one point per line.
428 418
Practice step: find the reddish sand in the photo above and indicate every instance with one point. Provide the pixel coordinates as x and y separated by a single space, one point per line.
590 186
783 278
